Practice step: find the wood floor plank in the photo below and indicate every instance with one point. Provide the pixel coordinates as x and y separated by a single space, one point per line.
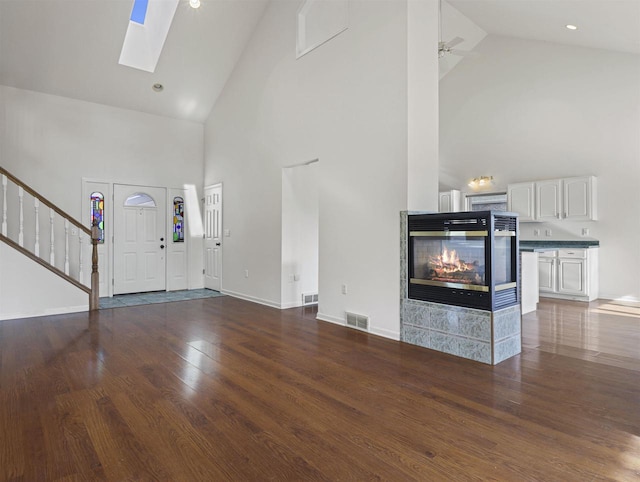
223 389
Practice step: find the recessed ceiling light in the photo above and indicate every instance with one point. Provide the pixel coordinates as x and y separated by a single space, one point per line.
194 3
571 27
157 87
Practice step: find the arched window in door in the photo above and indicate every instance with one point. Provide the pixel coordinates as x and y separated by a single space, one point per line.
97 213
140 200
178 220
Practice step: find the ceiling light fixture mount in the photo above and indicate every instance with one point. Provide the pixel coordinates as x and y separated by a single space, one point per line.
480 181
194 3
157 87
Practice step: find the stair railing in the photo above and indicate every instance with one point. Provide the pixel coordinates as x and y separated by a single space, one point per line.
61 247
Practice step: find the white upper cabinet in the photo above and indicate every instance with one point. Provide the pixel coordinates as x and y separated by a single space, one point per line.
572 198
520 199
548 200
580 199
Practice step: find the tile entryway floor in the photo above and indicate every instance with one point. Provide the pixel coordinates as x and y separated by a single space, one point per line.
119 301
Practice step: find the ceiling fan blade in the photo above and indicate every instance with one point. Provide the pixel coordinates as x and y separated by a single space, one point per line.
463 53
453 42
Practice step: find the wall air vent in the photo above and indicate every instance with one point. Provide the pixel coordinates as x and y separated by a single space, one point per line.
361 322
309 299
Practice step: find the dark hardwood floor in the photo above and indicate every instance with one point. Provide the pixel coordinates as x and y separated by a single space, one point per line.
221 389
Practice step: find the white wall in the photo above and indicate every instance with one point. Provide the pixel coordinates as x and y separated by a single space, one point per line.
300 223
28 289
52 143
346 104
525 110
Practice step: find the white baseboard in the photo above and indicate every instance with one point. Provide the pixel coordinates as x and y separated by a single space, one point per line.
331 319
47 312
624 300
290 304
253 299
393 335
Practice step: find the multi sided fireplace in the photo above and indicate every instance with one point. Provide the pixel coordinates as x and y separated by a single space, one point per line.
467 259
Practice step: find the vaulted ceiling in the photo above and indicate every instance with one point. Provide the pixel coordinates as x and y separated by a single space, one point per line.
71 47
603 24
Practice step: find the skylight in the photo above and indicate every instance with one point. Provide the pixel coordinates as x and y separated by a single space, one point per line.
147 31
139 11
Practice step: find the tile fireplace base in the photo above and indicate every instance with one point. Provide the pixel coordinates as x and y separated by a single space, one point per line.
484 336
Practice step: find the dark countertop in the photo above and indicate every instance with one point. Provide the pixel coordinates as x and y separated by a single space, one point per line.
551 245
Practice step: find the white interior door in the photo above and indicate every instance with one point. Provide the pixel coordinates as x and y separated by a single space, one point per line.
139 239
213 237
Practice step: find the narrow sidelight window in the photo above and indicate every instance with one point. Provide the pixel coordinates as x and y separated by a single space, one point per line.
178 220
97 213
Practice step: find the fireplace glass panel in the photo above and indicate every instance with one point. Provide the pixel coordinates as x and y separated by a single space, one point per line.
459 259
504 272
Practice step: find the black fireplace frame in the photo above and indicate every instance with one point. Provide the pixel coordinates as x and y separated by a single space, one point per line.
495 223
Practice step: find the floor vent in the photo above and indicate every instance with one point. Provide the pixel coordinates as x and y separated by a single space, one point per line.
360 322
309 299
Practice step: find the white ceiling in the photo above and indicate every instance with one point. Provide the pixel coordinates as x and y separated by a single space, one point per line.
603 24
71 47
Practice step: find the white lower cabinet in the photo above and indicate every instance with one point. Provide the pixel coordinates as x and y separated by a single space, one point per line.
572 276
547 272
569 274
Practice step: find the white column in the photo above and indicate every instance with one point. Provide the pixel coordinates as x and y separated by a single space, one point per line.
21 232
52 250
422 106
66 246
36 247
4 205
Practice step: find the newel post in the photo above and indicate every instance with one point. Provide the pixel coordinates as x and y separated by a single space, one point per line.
94 301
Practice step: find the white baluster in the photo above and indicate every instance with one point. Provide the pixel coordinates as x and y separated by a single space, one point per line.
52 250
36 247
66 246
21 232
80 263
4 205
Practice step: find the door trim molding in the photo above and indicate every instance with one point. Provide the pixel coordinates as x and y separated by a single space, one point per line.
109 214
204 250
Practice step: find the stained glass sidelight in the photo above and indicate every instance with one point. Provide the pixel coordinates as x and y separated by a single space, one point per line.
178 220
97 213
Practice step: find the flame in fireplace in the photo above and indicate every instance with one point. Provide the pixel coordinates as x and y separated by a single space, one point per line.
449 262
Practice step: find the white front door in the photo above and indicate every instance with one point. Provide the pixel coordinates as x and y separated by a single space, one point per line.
139 239
213 237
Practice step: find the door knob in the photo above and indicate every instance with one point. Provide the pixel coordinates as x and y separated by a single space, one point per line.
217 244
161 239
162 246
